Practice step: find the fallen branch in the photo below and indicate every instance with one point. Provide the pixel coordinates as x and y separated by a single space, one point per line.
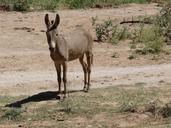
135 21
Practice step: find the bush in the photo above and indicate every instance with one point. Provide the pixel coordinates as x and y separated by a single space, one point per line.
119 33
148 40
106 31
158 109
21 5
153 39
103 30
131 56
163 21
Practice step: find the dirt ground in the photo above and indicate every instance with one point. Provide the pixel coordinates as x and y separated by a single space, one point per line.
26 67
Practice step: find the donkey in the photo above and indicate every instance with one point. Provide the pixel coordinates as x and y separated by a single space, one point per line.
64 48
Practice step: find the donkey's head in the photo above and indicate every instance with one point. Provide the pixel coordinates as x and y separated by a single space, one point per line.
51 32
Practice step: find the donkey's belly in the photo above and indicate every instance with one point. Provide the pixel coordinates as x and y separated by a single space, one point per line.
74 55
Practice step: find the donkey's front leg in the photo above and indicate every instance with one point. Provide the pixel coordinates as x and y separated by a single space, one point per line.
65 78
58 70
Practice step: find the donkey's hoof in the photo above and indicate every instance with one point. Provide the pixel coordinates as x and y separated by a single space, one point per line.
64 96
58 97
85 90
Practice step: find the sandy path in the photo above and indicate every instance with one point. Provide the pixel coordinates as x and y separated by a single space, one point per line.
151 73
101 77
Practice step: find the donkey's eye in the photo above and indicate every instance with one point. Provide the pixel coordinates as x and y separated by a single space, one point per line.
56 34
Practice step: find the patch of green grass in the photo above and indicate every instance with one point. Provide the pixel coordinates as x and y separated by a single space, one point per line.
13 114
85 106
119 2
130 99
42 113
140 84
9 99
108 102
45 4
76 4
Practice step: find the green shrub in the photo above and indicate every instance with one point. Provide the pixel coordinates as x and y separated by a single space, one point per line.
119 33
163 21
103 30
131 56
152 39
106 31
21 5
158 109
148 40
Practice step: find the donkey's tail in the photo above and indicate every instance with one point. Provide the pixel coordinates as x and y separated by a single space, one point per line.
92 59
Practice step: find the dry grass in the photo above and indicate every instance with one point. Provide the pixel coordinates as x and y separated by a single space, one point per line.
108 107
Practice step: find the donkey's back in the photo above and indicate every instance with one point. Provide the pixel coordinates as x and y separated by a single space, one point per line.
78 42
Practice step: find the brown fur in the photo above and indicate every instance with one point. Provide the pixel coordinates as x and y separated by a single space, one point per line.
67 48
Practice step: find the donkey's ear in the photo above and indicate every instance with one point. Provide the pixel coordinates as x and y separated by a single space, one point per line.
57 20
47 22
56 23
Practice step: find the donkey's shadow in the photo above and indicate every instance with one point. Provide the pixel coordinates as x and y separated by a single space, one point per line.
43 96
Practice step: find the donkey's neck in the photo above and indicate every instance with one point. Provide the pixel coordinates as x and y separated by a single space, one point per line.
61 48
57 41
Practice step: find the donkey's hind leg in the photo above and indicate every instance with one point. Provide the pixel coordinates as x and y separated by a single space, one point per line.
89 56
84 66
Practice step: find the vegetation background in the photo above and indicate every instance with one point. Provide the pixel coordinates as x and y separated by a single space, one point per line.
28 5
